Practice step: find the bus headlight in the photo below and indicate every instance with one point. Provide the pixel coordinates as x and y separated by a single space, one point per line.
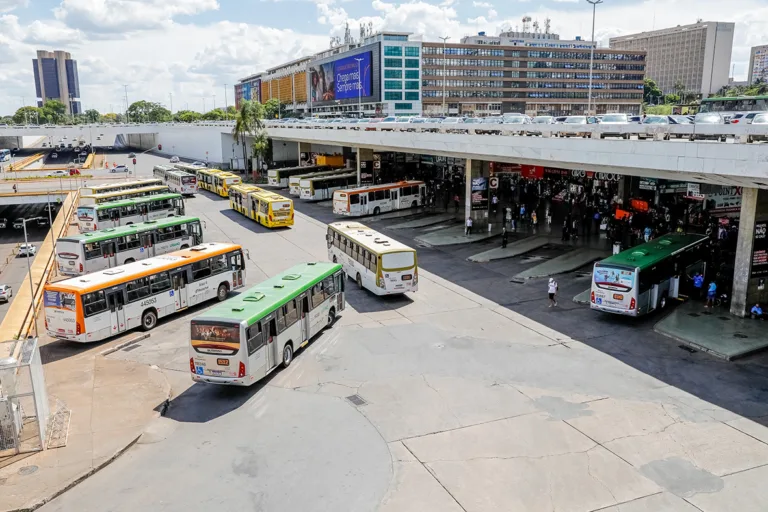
380 282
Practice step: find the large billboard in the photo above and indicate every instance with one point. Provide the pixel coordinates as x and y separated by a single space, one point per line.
341 79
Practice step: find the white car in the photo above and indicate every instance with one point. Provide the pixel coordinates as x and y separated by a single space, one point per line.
27 250
18 224
3 223
58 173
6 292
174 160
119 168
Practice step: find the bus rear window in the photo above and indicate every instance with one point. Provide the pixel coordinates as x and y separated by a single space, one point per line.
215 338
613 278
86 214
395 260
186 180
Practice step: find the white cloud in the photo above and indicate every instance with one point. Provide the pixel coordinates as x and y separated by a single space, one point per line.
483 5
492 14
10 5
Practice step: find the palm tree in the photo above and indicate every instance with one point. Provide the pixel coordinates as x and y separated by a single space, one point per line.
248 123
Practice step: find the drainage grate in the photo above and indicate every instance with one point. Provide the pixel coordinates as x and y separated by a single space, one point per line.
357 400
694 315
739 335
131 347
724 318
27 470
687 348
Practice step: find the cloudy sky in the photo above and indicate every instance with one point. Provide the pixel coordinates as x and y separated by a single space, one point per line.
192 48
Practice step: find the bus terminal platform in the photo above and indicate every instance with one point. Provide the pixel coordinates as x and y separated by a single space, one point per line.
714 330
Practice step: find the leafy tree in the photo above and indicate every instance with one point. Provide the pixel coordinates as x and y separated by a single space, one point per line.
660 110
217 114
671 99
6 120
272 107
187 116
55 111
29 115
249 123
111 118
92 115
231 112
147 111
651 91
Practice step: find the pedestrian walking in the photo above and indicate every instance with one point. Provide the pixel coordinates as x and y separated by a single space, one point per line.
711 292
456 203
548 215
647 232
494 204
508 217
504 237
698 284
468 228
15 189
552 288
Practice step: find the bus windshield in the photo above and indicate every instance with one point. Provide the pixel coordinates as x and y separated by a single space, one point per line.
396 260
614 278
215 337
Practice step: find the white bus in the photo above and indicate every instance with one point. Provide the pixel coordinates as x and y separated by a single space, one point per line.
5 155
376 199
130 211
88 252
190 168
317 189
112 301
180 182
246 338
279 177
294 182
123 185
121 195
375 261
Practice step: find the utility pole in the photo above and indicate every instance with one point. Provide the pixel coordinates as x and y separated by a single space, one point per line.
446 38
214 102
592 54
170 95
226 104
126 102
203 104
359 88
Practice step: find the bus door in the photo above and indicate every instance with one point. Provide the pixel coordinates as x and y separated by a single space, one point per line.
116 303
179 281
304 301
270 327
144 211
147 247
114 217
363 203
394 201
339 282
108 252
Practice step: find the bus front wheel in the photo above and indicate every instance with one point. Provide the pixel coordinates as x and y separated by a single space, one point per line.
222 292
331 316
149 320
185 246
359 281
287 355
663 301
376 211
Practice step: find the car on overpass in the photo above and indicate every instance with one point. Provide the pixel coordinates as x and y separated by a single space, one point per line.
3 223
708 118
27 250
6 292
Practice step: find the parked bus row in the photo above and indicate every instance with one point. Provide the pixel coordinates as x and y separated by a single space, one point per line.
265 207
178 181
81 254
129 211
294 182
121 195
115 187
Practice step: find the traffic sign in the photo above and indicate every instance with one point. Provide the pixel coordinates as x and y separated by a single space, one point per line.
493 182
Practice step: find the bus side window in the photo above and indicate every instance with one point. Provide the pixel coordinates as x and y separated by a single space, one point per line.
235 260
292 313
330 287
282 311
354 199
336 239
386 194
379 195
201 269
218 264
255 338
317 295
92 250
371 264
94 303
370 196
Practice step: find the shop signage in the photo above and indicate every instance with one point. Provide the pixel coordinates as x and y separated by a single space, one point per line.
504 168
493 182
377 164
648 184
532 172
362 165
694 192
674 187
479 193
605 176
726 202
760 250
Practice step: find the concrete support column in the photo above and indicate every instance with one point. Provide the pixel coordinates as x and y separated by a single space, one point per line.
472 169
746 290
304 147
363 155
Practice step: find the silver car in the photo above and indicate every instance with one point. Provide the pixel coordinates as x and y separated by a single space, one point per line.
614 121
760 120
6 292
707 118
541 120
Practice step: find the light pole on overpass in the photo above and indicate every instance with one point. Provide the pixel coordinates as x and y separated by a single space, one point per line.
359 88
592 54
29 275
446 38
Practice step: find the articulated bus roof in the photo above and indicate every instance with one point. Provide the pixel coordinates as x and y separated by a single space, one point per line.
374 241
320 174
650 253
117 275
110 233
268 195
132 201
334 177
260 300
244 188
137 191
371 188
291 169
123 184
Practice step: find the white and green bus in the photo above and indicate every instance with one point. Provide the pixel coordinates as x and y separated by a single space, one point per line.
81 254
129 211
248 336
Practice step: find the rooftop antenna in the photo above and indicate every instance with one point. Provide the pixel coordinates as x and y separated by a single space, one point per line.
536 26
347 34
526 21
370 28
547 23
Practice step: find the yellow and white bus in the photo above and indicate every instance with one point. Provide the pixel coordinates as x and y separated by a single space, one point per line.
114 187
375 261
217 181
376 199
245 339
124 194
317 189
294 182
129 211
265 207
107 303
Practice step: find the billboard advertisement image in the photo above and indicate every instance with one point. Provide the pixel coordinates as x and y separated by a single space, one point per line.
341 79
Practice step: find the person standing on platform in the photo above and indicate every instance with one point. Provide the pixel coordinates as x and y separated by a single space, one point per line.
468 228
504 237
552 288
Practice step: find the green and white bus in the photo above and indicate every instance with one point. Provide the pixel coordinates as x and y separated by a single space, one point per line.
81 254
129 211
734 104
248 336
643 279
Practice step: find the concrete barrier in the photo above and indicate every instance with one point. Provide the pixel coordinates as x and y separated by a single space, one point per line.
19 318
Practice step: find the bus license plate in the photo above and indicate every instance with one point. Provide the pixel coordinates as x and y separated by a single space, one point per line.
222 362
407 277
618 296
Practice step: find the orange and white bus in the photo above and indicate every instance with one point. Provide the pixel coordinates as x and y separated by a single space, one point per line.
376 199
112 301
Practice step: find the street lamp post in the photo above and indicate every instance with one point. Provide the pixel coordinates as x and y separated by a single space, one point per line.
359 88
29 276
592 54
226 104
446 38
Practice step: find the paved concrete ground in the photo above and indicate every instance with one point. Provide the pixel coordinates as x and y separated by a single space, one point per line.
451 233
424 220
715 330
469 405
567 262
516 247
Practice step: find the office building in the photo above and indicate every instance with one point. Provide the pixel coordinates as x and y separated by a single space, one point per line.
758 64
698 56
56 78
248 88
529 72
288 83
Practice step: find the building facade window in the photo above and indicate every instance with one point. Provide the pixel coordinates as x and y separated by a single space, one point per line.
390 37
393 63
393 84
411 85
403 106
393 51
393 73
412 96
393 96
411 51
411 74
411 63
